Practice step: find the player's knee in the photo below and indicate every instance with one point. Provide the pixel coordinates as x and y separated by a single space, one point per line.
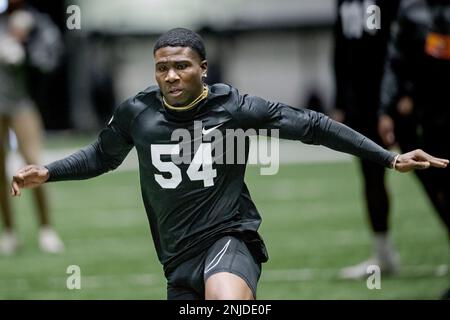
229 293
227 286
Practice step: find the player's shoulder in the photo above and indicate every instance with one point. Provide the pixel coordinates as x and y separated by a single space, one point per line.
244 108
150 97
224 94
221 90
237 101
134 105
131 108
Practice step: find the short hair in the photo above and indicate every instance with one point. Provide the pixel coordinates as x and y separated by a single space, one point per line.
181 37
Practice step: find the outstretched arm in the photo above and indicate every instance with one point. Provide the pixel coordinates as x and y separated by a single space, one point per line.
312 127
107 153
86 163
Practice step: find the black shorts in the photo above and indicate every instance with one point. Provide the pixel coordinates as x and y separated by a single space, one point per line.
228 254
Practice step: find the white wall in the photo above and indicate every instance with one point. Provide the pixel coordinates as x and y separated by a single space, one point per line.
281 67
274 65
144 16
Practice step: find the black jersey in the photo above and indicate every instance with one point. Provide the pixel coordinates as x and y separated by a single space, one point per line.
187 213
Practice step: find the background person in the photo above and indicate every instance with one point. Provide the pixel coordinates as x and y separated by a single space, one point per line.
359 59
28 39
415 87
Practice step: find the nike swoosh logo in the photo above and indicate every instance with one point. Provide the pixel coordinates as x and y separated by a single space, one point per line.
206 131
217 258
111 120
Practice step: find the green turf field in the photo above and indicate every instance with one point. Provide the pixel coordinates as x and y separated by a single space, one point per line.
313 224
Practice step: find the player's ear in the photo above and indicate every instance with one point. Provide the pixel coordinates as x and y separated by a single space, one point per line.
204 66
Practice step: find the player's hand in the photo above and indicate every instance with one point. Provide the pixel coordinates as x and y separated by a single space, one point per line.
386 130
338 115
418 159
28 177
405 106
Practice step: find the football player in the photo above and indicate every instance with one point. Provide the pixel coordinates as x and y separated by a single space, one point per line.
203 221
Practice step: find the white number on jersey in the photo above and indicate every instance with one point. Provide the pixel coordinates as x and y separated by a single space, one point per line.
171 149
202 158
199 169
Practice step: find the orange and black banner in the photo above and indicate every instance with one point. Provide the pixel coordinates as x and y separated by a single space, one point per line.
438 45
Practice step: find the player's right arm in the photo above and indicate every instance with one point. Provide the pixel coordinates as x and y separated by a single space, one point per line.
107 153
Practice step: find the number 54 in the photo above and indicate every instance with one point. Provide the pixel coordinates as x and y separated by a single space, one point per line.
199 169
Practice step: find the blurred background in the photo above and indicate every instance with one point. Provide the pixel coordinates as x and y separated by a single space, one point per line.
110 58
314 219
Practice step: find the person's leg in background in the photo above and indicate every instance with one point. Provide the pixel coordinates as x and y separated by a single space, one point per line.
436 183
435 139
376 199
8 240
27 126
377 203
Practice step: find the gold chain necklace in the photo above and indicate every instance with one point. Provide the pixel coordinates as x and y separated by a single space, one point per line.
201 97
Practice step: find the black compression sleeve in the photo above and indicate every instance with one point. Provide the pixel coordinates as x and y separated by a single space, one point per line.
83 164
310 127
107 153
344 139
316 128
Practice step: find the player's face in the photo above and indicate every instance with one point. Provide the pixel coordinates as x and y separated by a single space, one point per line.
179 72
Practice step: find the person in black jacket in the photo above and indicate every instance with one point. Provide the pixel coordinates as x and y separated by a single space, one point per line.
418 75
359 57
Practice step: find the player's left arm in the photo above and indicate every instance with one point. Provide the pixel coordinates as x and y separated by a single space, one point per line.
312 127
